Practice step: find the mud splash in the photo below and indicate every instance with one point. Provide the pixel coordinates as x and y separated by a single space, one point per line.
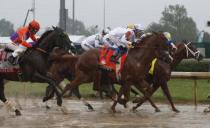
34 115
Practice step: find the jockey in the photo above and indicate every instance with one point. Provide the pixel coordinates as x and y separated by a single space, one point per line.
169 42
94 41
19 44
120 39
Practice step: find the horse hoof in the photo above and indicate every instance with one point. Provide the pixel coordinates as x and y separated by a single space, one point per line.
176 110
47 107
17 112
134 109
206 110
113 110
136 100
59 102
90 108
157 110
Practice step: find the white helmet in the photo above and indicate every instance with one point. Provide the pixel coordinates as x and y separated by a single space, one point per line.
138 27
106 31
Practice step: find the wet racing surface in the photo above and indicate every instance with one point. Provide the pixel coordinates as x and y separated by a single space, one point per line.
34 115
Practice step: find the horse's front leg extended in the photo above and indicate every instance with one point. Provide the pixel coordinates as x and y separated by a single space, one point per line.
9 105
149 99
53 84
144 87
80 78
166 91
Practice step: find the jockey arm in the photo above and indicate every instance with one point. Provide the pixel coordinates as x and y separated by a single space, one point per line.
33 38
98 42
127 39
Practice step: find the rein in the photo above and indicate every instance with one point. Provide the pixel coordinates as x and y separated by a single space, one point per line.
41 50
188 50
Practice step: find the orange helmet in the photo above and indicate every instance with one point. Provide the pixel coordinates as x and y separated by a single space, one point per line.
34 25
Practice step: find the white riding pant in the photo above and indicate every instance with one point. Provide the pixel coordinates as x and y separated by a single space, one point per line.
11 46
87 46
19 50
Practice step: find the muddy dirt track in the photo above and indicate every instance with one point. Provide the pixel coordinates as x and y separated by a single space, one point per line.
34 115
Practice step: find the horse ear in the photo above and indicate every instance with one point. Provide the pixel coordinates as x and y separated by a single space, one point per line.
54 27
184 41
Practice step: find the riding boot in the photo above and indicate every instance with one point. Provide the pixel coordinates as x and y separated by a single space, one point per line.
12 60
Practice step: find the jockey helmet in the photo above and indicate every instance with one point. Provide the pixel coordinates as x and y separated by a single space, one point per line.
167 35
138 27
130 26
138 30
34 26
106 31
169 40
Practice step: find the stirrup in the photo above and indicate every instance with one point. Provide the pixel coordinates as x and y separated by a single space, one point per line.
12 60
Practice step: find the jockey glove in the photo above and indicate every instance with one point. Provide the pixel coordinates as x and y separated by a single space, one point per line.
32 43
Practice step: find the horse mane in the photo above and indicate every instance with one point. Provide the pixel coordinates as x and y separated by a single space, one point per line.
45 34
62 58
143 38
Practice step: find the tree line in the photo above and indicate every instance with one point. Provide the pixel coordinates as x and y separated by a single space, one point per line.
174 19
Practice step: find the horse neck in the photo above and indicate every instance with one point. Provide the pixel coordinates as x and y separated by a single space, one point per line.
177 58
143 56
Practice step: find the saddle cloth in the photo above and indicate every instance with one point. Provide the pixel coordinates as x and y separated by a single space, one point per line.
105 56
5 66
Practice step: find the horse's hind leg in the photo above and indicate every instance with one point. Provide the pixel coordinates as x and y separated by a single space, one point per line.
8 103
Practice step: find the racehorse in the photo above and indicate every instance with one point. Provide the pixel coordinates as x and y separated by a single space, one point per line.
137 62
162 70
34 63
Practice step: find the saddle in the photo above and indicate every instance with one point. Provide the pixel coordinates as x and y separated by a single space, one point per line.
105 55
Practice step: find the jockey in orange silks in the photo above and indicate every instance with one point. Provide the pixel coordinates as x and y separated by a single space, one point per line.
19 38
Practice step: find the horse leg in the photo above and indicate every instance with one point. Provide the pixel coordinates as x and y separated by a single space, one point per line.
49 93
134 92
147 93
80 78
97 83
52 83
165 89
151 102
9 104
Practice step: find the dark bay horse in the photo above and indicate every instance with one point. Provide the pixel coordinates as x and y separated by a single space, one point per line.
34 63
162 70
88 67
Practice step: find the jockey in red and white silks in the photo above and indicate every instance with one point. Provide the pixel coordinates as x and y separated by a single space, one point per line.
120 39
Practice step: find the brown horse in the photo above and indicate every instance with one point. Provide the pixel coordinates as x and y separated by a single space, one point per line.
138 60
162 70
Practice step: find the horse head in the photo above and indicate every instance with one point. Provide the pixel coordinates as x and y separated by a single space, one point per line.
188 50
54 38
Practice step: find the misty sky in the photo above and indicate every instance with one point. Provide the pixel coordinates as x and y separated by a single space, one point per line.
118 12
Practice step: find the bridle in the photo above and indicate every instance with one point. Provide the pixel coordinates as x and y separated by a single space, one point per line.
188 50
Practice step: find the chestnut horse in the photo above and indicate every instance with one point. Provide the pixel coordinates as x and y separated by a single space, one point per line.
138 59
34 63
162 70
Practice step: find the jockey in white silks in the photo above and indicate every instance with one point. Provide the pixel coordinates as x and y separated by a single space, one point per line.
120 39
94 41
